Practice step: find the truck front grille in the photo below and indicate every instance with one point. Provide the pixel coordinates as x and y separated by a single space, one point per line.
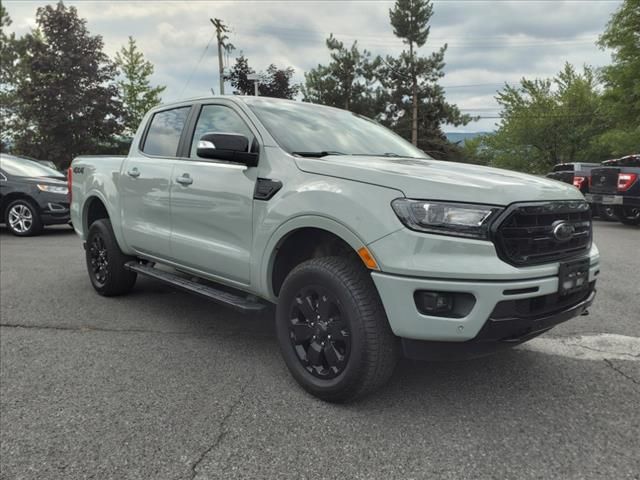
604 180
534 233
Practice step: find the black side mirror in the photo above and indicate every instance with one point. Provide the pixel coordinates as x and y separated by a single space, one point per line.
231 147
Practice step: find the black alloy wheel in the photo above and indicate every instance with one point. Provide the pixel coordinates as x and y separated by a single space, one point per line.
106 262
332 329
98 259
319 333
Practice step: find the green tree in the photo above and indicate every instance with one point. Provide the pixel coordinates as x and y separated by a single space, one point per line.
410 22
416 107
348 81
275 82
136 92
544 122
8 56
238 76
66 98
622 80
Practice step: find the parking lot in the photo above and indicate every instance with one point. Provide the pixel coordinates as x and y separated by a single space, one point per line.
163 385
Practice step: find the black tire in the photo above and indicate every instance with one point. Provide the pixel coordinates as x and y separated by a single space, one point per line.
366 344
22 218
628 215
607 214
105 261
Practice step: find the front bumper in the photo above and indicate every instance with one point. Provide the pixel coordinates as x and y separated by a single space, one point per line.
613 200
397 295
56 213
54 208
499 333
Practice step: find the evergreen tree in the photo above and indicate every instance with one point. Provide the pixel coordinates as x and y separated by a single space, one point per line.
409 19
136 92
66 99
348 81
416 106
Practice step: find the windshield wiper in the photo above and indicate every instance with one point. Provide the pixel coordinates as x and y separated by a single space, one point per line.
385 154
321 154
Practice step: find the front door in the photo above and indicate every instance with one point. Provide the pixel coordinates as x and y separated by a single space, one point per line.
212 203
145 184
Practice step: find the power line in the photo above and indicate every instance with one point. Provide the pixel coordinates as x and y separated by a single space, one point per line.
197 64
466 43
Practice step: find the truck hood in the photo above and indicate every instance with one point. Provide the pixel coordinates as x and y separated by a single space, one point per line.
439 180
56 181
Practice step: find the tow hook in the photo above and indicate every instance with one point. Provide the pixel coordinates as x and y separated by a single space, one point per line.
584 313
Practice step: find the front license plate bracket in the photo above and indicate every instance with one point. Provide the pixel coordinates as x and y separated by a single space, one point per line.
573 276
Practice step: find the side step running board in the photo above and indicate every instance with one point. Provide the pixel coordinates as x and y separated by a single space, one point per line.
236 302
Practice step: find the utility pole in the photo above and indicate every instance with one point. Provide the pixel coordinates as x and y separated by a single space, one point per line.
221 30
255 77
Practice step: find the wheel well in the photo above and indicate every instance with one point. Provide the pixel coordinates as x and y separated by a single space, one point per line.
95 210
6 200
301 245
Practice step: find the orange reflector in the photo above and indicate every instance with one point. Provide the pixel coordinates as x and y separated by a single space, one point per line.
367 258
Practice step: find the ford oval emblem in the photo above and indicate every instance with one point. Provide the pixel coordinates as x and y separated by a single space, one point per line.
563 231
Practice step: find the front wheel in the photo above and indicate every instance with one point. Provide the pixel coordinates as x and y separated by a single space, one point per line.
22 218
106 262
333 331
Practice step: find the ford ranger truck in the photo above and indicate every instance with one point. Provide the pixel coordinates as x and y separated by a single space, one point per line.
368 247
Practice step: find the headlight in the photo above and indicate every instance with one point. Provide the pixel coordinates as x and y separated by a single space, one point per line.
53 189
459 219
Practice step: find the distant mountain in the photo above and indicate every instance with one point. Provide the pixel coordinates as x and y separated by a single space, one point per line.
455 137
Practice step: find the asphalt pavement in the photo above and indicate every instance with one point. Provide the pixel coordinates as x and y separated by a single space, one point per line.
163 385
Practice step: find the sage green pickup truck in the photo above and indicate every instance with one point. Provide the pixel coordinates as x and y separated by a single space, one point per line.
368 247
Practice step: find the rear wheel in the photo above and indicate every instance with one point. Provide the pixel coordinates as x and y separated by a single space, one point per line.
22 218
333 331
105 261
629 215
607 214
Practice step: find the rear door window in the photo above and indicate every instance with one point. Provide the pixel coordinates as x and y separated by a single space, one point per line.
165 131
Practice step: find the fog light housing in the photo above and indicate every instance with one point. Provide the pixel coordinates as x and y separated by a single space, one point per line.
444 304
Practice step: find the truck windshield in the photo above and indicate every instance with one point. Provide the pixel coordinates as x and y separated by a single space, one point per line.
21 167
316 131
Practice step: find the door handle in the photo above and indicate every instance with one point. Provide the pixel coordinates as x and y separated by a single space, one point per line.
134 172
185 179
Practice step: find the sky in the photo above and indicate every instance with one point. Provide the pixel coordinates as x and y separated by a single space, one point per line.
489 42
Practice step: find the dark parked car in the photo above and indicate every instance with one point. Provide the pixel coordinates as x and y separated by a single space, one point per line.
578 174
617 185
32 195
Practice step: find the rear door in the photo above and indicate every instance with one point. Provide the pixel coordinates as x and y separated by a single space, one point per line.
145 183
212 200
